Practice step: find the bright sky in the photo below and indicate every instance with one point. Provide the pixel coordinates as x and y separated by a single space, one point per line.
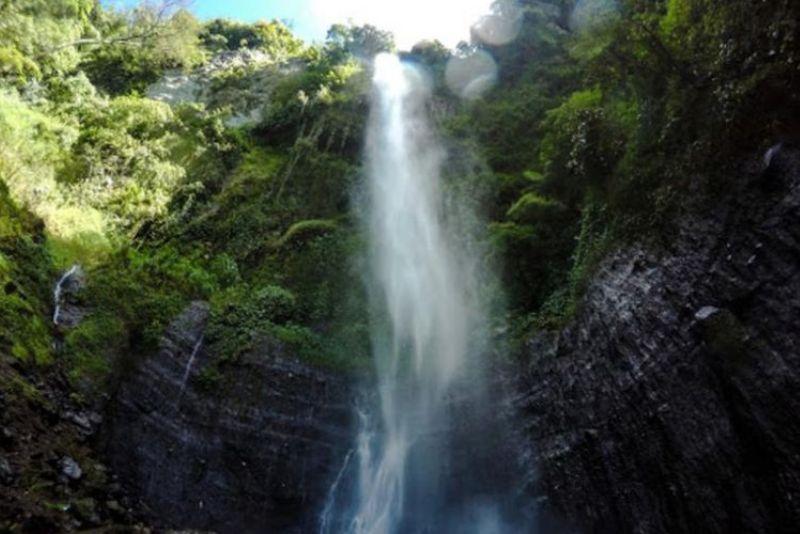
410 20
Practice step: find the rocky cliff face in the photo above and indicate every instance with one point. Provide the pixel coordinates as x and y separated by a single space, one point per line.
242 80
671 403
252 451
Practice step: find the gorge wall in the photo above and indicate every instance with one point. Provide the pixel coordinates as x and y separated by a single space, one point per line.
670 403
667 404
254 453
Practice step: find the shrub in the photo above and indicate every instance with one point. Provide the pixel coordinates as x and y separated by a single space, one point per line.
241 312
25 273
91 349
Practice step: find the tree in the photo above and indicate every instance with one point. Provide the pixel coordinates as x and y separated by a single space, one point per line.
32 32
362 42
271 37
430 53
134 48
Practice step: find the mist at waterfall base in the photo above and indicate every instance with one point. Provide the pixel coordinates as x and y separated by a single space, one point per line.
429 456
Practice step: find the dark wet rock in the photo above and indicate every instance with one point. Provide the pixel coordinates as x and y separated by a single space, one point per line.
771 154
70 468
706 312
86 510
671 403
6 471
251 450
115 507
79 419
7 437
53 464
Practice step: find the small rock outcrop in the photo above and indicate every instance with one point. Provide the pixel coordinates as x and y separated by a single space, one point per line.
250 448
671 403
242 80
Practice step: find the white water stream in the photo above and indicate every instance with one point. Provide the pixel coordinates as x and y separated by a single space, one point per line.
426 456
418 294
58 289
188 370
423 317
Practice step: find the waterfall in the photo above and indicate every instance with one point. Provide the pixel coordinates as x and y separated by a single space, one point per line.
412 469
327 517
421 312
188 370
58 289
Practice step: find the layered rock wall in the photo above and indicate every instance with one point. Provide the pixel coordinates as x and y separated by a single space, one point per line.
253 451
672 402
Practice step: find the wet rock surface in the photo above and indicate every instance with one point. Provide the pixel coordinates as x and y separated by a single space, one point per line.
251 447
70 468
671 403
50 478
6 471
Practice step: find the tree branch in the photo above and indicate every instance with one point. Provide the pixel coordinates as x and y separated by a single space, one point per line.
154 28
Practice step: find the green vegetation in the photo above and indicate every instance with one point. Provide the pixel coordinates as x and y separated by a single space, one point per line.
133 49
590 137
165 205
603 113
25 269
272 38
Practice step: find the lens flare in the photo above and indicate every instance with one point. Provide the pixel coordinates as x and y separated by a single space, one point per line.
471 76
502 25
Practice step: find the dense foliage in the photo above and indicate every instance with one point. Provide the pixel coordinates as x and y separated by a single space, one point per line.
166 204
605 116
602 114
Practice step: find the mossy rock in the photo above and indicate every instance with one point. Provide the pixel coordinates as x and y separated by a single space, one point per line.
534 208
303 231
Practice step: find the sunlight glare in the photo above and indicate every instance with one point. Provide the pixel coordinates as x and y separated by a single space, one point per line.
410 21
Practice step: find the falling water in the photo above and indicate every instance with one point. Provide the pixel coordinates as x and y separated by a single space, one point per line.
423 315
418 290
188 369
327 518
58 289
